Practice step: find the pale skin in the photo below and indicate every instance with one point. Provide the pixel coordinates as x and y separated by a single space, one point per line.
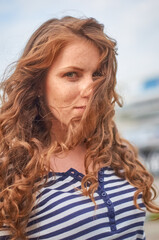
67 93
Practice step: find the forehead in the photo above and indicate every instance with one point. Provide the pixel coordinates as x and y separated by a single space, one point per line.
79 52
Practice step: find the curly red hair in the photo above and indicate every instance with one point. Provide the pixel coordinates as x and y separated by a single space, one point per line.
25 123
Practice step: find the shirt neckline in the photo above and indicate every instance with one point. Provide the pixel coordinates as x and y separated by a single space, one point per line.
70 172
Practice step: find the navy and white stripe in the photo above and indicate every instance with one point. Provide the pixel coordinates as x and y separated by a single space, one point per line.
61 212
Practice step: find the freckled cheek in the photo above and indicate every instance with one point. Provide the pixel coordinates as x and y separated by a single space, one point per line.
63 96
69 99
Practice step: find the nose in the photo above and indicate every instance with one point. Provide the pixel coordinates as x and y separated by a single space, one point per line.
86 88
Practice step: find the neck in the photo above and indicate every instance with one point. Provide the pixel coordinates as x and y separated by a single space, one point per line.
70 159
70 135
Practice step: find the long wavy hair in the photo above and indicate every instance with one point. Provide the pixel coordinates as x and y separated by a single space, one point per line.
25 123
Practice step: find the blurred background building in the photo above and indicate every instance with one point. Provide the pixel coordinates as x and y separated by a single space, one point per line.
138 122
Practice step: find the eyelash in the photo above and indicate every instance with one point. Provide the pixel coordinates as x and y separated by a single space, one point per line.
67 75
75 75
97 74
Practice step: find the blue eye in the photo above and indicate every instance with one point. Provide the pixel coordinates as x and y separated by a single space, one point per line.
97 74
70 74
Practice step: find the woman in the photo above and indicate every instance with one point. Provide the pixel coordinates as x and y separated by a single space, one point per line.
65 171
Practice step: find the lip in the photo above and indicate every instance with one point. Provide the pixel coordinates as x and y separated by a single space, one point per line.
81 107
79 110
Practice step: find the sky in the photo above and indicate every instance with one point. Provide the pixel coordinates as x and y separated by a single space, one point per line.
133 23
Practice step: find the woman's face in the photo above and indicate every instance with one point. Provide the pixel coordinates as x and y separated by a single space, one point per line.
68 80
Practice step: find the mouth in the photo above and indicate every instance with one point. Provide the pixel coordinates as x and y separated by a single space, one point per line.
81 107
80 110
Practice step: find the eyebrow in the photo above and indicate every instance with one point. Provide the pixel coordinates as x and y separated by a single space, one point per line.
72 67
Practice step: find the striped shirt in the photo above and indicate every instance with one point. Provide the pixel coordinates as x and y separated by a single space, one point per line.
62 212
